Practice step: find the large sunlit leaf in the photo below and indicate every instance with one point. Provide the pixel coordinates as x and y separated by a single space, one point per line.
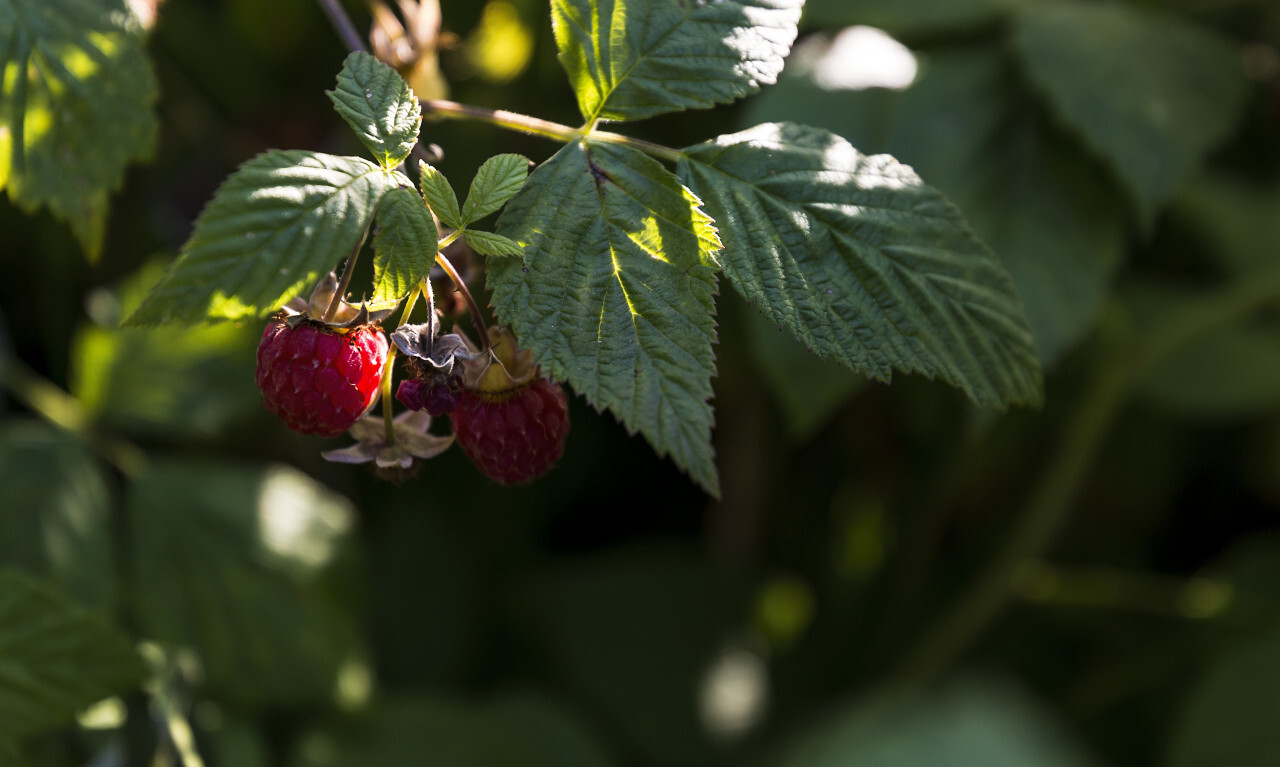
273 227
76 106
231 561
615 293
1036 198
631 59
379 106
863 262
54 508
404 247
56 657
1150 94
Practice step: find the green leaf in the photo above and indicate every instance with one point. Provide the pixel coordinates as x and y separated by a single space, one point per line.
1241 222
404 247
1149 94
166 381
969 724
76 107
513 730
232 561
497 181
489 244
909 17
273 227
615 293
1230 718
379 106
631 59
55 505
1030 193
440 196
56 658
863 262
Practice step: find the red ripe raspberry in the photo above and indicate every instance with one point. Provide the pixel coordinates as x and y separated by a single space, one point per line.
515 435
318 380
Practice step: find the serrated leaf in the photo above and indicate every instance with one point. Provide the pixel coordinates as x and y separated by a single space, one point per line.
615 293
273 227
237 574
76 106
379 106
497 181
863 262
631 59
489 244
56 505
1028 191
439 195
1149 94
404 247
56 658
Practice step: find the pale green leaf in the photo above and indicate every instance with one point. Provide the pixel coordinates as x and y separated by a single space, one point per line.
512 730
379 106
76 106
615 293
404 247
273 227
631 59
1151 95
231 562
489 244
497 181
863 262
54 508
439 195
1038 200
1230 717
56 657
166 381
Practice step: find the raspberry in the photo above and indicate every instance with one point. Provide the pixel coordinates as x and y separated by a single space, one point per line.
441 399
317 379
412 393
515 435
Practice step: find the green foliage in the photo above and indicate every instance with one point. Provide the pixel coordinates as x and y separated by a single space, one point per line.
862 261
615 293
404 246
513 730
1122 78
75 107
232 561
628 60
56 658
278 223
1037 200
379 106
909 17
490 244
56 503
497 181
440 196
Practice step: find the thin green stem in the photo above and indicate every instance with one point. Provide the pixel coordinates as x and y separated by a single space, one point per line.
477 319
345 279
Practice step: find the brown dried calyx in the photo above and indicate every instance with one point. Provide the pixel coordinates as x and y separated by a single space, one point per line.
346 316
503 368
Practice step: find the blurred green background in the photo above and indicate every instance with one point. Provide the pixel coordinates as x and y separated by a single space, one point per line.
892 577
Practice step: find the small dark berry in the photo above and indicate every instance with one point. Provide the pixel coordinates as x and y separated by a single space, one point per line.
412 393
442 399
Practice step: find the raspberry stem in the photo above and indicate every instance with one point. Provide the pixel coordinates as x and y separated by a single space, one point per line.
345 279
481 329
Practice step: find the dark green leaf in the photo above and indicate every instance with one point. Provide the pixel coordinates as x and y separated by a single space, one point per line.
1230 719
1151 95
56 658
515 730
75 107
967 725
379 106
631 59
1239 221
278 223
404 247
615 293
54 508
907 17
489 244
863 262
170 380
439 195
1031 194
497 181
230 562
